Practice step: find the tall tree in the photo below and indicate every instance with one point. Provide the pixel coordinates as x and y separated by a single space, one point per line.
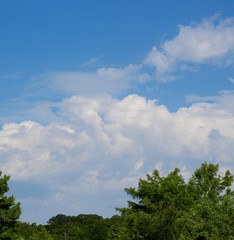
212 214
169 208
9 211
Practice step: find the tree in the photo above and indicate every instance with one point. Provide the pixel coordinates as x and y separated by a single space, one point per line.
40 234
169 208
33 231
9 211
207 220
212 215
116 228
83 226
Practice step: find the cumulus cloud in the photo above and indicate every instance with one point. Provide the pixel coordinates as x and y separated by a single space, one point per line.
90 146
211 41
100 145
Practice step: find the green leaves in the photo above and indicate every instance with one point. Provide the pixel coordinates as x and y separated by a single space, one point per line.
9 211
169 208
41 234
83 226
207 219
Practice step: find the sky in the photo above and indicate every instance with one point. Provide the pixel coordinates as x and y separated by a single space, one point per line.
96 94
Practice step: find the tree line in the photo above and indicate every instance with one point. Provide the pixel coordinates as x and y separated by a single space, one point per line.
162 208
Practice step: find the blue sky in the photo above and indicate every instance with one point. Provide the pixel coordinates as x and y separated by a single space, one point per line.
96 94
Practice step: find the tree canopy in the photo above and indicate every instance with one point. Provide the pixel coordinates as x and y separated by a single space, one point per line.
171 208
9 211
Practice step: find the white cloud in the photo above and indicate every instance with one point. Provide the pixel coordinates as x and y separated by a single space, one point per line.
101 144
209 41
104 80
92 147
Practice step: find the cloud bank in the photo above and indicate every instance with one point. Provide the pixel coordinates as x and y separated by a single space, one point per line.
97 146
82 151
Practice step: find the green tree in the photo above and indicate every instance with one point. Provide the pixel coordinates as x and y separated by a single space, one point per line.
40 234
116 228
59 219
207 220
9 211
75 232
212 214
160 200
33 231
83 226
26 230
169 208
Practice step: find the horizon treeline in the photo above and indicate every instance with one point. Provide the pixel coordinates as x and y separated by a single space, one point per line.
162 208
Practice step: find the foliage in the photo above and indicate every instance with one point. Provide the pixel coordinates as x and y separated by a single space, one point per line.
33 232
9 211
41 234
212 215
169 208
83 226
116 228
